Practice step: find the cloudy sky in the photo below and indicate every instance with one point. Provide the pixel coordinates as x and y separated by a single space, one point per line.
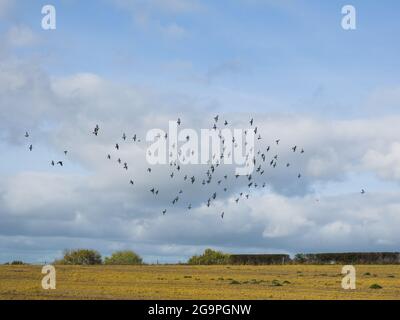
133 65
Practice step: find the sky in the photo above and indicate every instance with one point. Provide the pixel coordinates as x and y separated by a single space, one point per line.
133 65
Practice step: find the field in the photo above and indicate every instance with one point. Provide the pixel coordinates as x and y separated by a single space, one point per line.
199 282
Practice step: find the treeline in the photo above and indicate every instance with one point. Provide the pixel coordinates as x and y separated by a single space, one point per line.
349 258
212 257
216 257
93 257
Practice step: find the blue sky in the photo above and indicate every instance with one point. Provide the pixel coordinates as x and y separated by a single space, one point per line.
133 64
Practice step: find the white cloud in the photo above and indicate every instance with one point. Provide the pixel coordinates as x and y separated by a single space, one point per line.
96 206
21 36
5 6
160 15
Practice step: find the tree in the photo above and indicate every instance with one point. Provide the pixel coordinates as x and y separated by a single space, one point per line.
80 257
126 257
210 257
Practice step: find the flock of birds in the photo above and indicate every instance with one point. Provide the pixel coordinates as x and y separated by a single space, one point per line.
258 158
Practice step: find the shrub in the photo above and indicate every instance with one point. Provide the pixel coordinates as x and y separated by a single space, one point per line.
80 257
17 263
375 286
210 257
124 258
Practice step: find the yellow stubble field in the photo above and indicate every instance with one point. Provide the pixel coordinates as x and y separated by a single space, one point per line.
199 282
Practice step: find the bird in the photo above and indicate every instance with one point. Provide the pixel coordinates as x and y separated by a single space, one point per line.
294 148
363 191
277 141
60 163
124 137
125 166
131 182
30 147
216 118
117 146
299 176
164 211
222 215
109 157
26 134
226 123
96 130
134 138
179 121
251 122
52 163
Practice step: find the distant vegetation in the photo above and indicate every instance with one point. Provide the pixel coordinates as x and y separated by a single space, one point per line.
259 259
348 258
93 257
80 257
210 257
123 258
213 257
16 263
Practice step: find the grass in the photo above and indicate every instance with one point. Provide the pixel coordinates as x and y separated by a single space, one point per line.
199 282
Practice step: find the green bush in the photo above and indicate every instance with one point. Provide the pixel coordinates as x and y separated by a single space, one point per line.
123 258
17 263
210 257
80 257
